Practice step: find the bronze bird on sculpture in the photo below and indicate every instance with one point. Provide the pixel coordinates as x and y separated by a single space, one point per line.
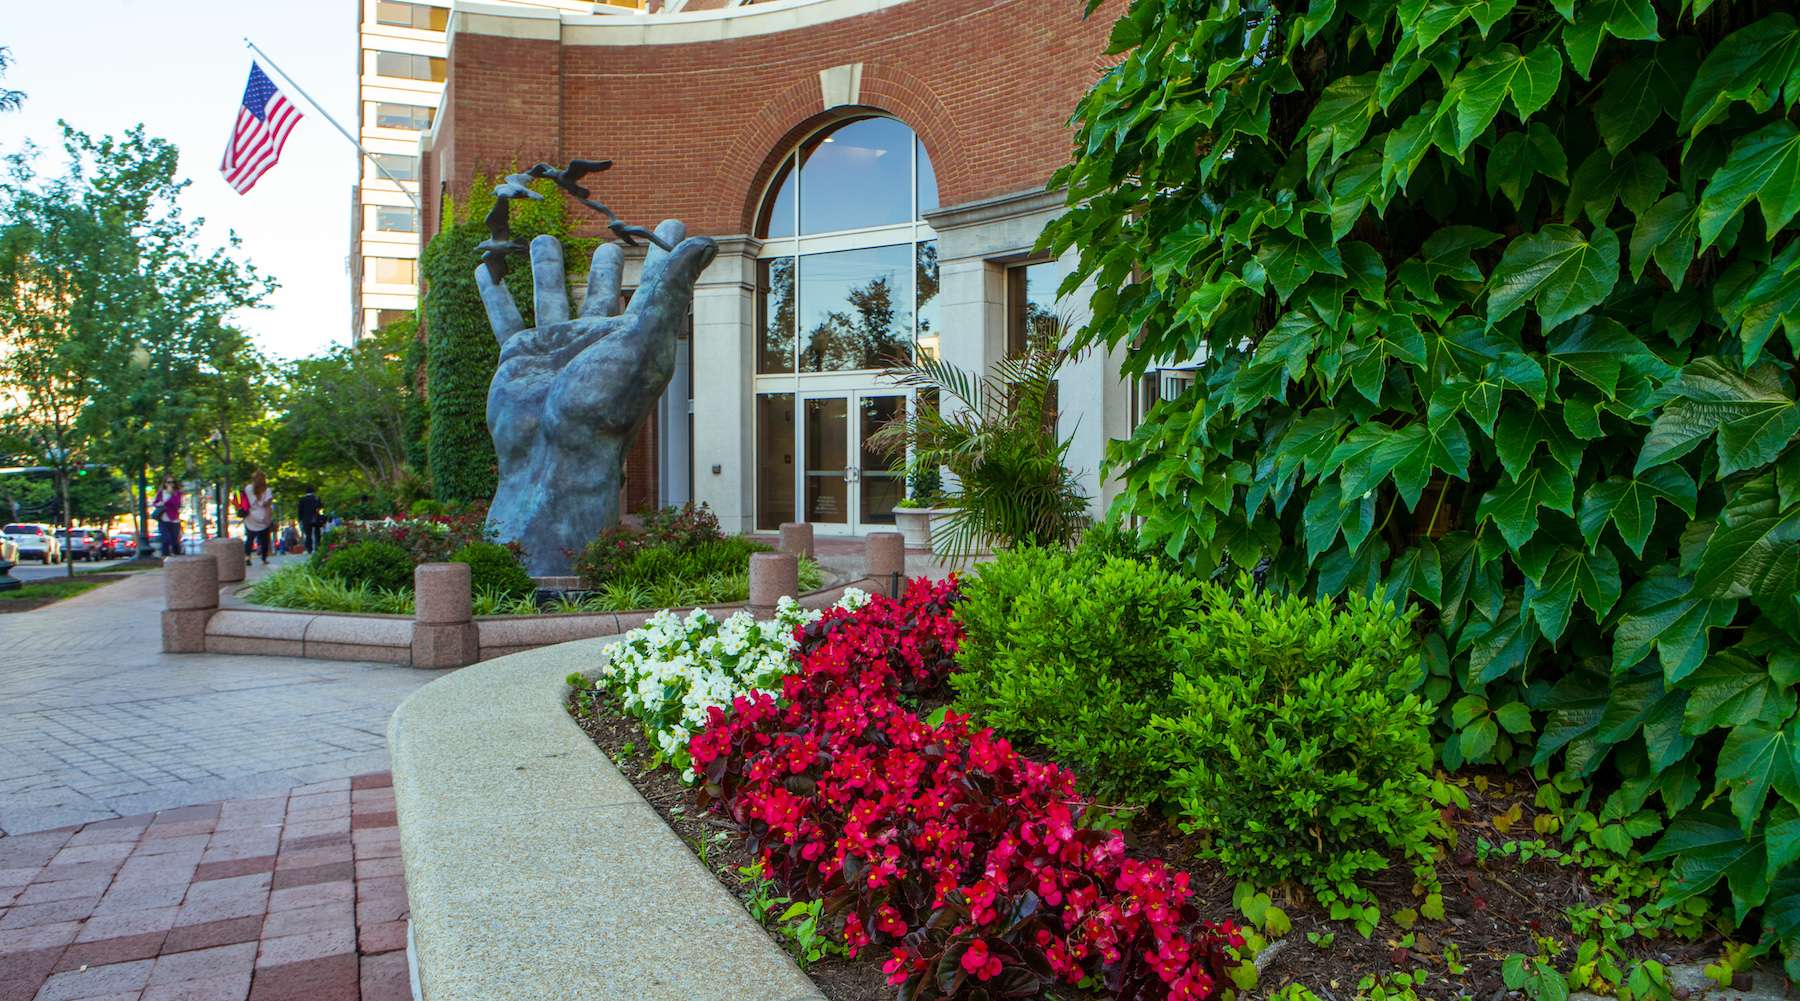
568 178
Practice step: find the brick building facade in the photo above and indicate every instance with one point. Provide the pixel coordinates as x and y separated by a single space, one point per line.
703 111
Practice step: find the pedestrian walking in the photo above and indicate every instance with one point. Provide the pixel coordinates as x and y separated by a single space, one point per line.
167 508
290 539
259 516
312 518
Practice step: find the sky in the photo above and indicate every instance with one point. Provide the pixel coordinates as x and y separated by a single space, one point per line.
179 67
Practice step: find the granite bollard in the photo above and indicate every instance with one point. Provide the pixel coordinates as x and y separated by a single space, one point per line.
190 597
230 556
773 576
444 633
884 555
797 538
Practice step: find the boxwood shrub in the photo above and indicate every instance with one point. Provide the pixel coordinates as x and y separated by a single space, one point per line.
1283 729
495 568
381 565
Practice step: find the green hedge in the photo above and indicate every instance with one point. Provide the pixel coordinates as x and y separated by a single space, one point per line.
496 569
1497 308
1281 728
382 566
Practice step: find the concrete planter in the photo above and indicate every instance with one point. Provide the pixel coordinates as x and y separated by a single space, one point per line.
915 524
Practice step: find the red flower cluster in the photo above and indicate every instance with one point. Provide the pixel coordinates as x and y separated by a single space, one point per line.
967 861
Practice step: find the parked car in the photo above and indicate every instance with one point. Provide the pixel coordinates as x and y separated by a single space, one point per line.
119 545
79 543
35 542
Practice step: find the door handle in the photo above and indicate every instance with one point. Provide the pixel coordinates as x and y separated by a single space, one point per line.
852 474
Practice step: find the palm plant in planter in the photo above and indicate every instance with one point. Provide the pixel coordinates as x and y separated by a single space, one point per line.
996 436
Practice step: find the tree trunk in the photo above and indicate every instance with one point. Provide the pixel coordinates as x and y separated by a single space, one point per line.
143 513
68 520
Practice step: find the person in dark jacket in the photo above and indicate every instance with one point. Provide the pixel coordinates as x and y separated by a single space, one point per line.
312 518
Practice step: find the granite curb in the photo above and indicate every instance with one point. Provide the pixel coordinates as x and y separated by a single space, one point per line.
535 870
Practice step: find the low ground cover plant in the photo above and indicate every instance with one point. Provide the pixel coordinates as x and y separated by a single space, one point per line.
1282 729
973 866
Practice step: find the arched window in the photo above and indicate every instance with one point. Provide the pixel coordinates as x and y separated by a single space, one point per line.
849 268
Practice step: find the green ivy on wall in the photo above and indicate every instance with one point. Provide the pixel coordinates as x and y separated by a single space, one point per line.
461 353
1496 305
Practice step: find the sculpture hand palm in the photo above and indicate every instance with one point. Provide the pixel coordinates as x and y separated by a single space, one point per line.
570 393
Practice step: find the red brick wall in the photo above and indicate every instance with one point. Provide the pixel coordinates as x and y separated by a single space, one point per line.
696 129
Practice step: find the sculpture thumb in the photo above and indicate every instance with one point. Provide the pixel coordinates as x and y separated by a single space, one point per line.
667 286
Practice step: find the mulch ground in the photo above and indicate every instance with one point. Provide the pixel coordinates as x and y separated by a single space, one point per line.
299 897
1492 908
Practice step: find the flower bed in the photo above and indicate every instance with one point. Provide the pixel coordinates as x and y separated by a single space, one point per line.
974 867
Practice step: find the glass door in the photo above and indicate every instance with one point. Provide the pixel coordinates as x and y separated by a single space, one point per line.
846 487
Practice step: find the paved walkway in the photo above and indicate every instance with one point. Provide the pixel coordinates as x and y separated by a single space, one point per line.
96 722
296 897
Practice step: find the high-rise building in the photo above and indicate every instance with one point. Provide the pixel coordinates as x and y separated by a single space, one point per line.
400 79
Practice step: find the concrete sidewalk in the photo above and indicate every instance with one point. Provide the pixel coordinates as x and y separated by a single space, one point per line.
96 722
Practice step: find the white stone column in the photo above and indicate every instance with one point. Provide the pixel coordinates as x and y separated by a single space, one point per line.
724 396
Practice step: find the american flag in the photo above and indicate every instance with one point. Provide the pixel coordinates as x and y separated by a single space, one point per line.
263 124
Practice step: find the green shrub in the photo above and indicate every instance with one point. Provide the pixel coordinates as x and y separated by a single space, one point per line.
425 507
678 529
380 565
1292 739
1074 652
300 587
495 568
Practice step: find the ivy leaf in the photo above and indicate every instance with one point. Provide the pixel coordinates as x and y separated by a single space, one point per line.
1667 232
1522 429
1751 414
1445 254
1512 504
1772 300
1764 165
1661 614
1707 847
1594 349
1427 20
1732 689
1420 571
1501 647
1603 180
1562 272
1373 452
1782 840
1752 64
1630 504
1290 260
1634 20
1754 759
1753 548
1489 79
1340 119
1642 88
1594 576
1519 156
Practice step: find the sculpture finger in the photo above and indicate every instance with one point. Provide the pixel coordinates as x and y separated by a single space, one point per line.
547 280
671 232
604 280
503 313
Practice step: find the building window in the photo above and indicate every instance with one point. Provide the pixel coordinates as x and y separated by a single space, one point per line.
828 307
1031 301
403 116
390 219
395 270
398 166
383 317
407 66
411 15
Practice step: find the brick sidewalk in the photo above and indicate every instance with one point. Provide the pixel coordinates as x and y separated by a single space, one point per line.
299 896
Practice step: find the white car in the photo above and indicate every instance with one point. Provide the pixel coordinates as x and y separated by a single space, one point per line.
35 542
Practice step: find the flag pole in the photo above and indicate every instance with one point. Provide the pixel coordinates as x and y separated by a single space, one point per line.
334 123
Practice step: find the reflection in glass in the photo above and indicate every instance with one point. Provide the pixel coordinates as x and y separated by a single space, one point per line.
925 279
881 488
774 460
827 456
778 214
1031 301
928 196
855 175
856 309
775 314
